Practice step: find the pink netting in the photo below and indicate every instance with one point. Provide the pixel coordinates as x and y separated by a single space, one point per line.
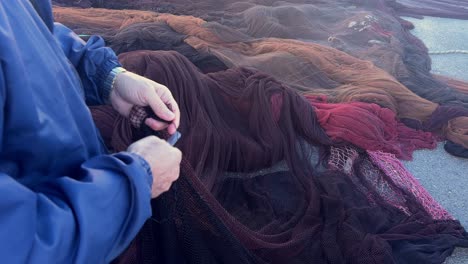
373 183
400 176
378 184
384 177
342 158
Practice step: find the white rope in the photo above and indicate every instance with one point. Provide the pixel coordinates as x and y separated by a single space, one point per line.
448 52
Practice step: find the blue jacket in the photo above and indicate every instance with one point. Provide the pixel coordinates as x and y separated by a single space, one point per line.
63 198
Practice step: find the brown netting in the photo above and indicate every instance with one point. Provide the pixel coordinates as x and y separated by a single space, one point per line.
369 30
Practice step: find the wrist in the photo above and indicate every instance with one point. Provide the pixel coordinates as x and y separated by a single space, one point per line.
109 83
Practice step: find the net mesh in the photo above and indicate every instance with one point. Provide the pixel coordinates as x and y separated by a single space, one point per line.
295 200
272 176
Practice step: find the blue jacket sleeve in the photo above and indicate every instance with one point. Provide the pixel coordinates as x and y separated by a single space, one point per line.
87 217
92 60
84 219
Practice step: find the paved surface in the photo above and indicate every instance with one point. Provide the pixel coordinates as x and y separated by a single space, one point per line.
442 34
445 176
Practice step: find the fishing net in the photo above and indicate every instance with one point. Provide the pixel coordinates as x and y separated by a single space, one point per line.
314 69
259 186
293 115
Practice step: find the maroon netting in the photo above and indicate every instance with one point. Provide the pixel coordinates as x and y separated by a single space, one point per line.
256 185
367 126
370 127
252 143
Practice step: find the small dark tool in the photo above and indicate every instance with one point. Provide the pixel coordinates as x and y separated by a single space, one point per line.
172 139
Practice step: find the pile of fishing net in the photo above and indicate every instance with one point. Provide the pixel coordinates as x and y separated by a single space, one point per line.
294 116
395 74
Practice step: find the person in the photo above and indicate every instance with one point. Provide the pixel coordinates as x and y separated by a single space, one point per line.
64 198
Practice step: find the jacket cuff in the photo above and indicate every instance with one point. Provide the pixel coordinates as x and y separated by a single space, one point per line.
146 166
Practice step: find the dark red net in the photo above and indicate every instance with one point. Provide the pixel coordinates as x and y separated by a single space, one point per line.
270 176
260 184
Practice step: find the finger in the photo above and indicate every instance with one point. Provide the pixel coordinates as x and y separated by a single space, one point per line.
172 129
156 193
167 98
164 186
176 175
159 107
176 111
167 186
163 92
155 125
175 123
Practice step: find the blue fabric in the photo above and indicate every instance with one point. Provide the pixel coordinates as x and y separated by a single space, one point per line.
92 60
63 199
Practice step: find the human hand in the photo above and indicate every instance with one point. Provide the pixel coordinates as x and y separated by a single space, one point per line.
131 89
163 159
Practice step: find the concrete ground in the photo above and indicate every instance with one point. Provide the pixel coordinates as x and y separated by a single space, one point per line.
445 176
442 34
